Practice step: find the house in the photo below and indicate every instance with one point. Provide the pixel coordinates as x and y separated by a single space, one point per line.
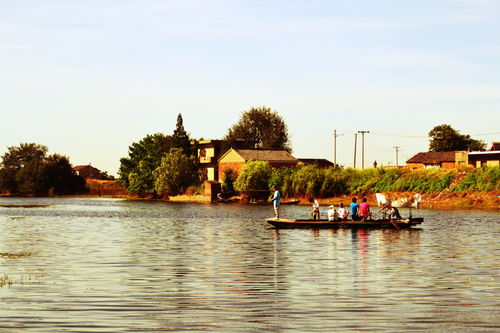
87 172
319 162
208 154
445 159
237 158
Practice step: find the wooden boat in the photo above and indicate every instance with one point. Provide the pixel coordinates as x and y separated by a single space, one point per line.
291 202
325 224
267 203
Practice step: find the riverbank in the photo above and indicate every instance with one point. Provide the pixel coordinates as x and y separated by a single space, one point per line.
465 200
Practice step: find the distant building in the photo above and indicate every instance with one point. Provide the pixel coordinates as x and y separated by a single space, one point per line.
444 160
479 159
236 159
453 159
320 162
87 172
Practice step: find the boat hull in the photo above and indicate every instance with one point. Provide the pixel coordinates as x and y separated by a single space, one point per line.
325 224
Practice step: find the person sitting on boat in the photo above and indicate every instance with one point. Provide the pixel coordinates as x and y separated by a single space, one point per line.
364 211
389 211
354 208
332 214
276 201
315 206
343 212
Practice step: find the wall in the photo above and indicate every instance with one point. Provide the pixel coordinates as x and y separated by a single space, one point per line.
448 165
415 166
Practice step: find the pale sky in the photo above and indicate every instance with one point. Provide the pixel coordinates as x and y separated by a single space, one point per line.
88 78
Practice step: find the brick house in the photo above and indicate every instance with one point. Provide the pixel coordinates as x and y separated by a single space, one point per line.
87 172
445 160
236 158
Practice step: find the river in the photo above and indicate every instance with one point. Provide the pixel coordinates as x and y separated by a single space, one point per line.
110 265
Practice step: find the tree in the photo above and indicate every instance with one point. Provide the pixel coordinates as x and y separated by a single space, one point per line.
180 138
59 178
20 167
228 182
176 173
255 176
27 170
445 138
144 157
260 127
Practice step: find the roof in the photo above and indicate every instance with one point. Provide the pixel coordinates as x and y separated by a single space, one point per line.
495 152
321 161
433 157
80 167
270 155
495 146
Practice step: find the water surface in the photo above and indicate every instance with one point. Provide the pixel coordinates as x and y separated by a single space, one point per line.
111 265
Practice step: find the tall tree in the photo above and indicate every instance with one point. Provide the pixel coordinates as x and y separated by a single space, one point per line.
180 138
446 138
261 127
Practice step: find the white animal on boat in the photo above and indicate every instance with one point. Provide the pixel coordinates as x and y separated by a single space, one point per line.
412 202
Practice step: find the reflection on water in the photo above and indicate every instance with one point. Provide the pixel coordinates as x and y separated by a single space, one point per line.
115 265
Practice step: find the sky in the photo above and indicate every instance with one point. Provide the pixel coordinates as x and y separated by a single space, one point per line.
89 78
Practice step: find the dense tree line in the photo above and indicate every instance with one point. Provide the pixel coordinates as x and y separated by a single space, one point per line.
28 170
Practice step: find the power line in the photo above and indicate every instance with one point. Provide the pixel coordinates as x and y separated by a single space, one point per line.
401 135
426 136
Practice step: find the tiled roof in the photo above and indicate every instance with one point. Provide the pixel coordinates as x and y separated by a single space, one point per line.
80 167
433 157
271 155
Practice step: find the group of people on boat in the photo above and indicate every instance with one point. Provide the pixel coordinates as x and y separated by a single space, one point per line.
358 212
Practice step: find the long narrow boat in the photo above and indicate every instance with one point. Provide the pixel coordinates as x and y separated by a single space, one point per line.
325 224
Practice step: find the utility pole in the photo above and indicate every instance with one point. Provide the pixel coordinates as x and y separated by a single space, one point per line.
355 142
363 148
397 150
335 135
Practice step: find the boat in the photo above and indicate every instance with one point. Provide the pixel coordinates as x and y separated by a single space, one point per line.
267 203
291 202
325 224
228 200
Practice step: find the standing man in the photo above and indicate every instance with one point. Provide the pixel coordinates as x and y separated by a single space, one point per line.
315 207
276 202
